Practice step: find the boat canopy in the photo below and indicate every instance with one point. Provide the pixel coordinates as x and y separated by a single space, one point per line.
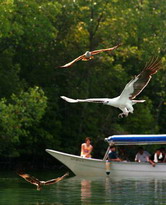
136 139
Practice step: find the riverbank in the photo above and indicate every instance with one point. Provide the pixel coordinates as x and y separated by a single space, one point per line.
29 162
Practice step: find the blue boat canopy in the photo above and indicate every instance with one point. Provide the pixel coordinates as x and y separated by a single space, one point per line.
136 139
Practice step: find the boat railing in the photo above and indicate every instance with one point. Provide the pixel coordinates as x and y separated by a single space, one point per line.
106 154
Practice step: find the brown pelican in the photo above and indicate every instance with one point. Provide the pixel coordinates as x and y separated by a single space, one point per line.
39 183
125 100
88 55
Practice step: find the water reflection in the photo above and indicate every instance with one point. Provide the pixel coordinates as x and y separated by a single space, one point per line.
85 190
75 190
120 190
142 191
38 203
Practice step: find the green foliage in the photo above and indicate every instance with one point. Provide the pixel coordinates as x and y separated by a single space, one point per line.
38 36
9 75
23 112
28 23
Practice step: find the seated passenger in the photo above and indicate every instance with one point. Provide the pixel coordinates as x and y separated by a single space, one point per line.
122 153
112 156
86 148
156 157
163 158
142 155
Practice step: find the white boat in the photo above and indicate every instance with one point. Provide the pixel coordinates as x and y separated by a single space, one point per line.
85 167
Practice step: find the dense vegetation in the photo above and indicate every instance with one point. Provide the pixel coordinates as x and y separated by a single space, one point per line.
36 36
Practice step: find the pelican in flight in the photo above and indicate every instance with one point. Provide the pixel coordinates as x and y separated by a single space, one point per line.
88 55
39 183
125 100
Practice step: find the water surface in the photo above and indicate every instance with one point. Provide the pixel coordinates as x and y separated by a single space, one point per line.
75 190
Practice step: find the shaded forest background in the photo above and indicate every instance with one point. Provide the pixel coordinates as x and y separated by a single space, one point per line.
37 36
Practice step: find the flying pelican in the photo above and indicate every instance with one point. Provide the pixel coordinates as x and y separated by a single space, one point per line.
125 100
39 183
88 55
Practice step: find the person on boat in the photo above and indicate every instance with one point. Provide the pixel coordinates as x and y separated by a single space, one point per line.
86 148
156 157
123 154
112 156
163 158
142 155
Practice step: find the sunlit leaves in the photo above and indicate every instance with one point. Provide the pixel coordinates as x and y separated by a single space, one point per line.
21 113
28 22
38 36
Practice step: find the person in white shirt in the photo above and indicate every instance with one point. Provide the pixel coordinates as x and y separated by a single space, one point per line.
142 155
157 157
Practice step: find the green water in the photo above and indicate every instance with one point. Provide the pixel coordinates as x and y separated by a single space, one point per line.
74 190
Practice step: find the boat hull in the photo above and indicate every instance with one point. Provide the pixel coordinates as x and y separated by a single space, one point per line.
95 167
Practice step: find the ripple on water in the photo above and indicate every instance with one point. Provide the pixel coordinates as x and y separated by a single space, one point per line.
74 190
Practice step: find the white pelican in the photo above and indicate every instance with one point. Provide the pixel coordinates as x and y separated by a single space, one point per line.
88 55
125 100
39 183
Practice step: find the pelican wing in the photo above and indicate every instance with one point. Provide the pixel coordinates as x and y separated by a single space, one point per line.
29 178
144 77
139 82
103 50
92 100
53 181
72 62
